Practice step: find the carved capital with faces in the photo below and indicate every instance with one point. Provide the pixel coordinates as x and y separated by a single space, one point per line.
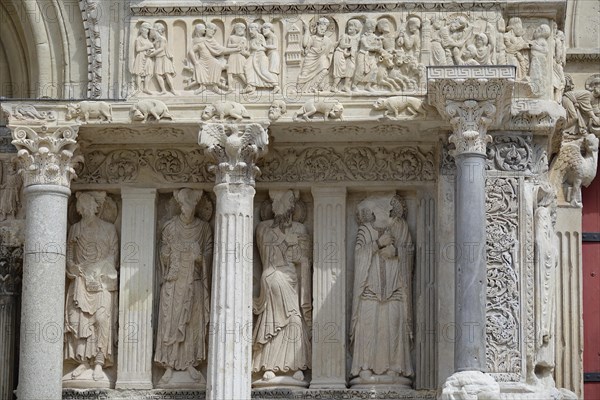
234 150
470 120
47 154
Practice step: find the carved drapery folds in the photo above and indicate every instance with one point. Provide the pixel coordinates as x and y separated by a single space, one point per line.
47 154
234 150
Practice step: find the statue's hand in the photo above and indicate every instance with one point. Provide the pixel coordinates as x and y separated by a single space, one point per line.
388 251
385 240
171 276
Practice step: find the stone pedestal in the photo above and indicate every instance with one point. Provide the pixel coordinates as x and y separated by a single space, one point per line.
234 154
47 159
329 289
138 241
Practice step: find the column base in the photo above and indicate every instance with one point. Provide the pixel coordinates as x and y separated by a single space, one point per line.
470 385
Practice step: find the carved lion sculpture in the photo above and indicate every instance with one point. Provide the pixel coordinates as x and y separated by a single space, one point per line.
575 165
329 109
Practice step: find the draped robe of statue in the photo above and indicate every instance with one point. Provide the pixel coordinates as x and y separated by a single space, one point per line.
186 252
91 304
281 341
381 309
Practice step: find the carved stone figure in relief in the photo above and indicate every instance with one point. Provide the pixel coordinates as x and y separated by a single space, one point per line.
237 60
143 66
574 166
582 116
186 249
539 60
370 46
318 51
83 110
327 108
91 303
143 110
283 308
276 110
409 39
224 109
257 68
164 70
560 59
517 47
398 104
209 60
272 46
344 56
192 62
10 192
546 260
387 34
478 53
381 324
451 41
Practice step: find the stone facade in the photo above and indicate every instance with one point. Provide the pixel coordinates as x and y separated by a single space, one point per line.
279 200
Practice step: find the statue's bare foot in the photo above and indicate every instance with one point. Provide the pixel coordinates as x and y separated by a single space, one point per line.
98 374
79 370
299 376
194 374
366 374
268 375
166 376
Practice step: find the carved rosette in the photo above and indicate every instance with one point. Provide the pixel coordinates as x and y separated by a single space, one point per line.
47 154
470 120
234 150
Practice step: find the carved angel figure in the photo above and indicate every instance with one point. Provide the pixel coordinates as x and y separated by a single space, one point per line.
186 258
381 325
281 335
91 303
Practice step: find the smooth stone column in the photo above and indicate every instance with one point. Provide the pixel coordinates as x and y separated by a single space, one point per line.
43 298
233 154
329 289
47 158
471 267
138 242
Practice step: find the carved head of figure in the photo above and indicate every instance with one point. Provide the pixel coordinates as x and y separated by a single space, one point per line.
283 204
481 40
276 110
370 26
89 203
413 25
158 30
239 29
209 112
187 200
383 26
322 25
336 111
267 28
542 32
211 29
353 27
458 23
516 26
145 29
569 85
199 31
72 111
593 85
254 29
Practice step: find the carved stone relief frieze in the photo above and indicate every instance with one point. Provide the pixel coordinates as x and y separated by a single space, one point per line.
85 110
503 305
325 164
516 153
149 110
91 302
283 309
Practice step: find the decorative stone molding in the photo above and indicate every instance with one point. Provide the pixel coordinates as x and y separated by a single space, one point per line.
90 14
516 153
326 164
47 154
233 151
11 259
470 120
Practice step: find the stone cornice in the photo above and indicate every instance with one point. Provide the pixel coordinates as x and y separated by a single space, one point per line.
46 153
583 55
234 150
472 99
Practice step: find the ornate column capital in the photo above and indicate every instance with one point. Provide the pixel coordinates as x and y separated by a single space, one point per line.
472 99
47 154
234 150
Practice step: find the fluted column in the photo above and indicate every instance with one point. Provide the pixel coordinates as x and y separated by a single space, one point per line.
329 289
138 241
234 149
47 159
471 99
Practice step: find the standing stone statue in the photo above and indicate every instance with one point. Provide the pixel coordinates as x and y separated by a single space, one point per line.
381 325
164 70
344 56
281 333
539 50
143 67
186 258
10 194
91 304
318 51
